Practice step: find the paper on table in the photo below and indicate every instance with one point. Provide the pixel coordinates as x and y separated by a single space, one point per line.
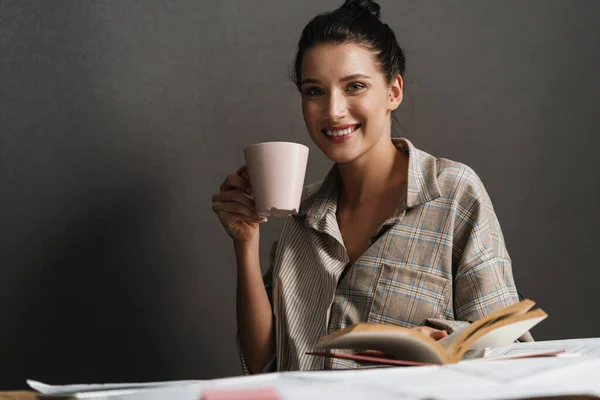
132 390
386 377
590 347
511 371
470 379
65 389
189 391
521 378
178 392
584 372
503 392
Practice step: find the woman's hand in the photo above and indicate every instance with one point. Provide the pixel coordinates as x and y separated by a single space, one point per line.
431 332
235 210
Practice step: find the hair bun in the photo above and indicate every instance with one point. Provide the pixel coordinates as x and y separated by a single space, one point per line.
367 6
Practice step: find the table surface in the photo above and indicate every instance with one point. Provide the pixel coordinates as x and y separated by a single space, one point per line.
572 375
18 395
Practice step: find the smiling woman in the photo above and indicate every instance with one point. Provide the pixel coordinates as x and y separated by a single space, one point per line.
392 235
347 102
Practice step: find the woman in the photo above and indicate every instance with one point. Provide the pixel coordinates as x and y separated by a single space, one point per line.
392 235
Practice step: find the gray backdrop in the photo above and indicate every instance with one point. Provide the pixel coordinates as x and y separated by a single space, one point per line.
119 119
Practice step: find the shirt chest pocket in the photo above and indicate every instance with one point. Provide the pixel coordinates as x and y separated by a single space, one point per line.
408 294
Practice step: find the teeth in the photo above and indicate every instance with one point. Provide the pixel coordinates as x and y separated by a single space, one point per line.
340 133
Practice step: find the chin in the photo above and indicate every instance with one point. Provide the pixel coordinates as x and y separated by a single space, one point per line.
338 153
339 156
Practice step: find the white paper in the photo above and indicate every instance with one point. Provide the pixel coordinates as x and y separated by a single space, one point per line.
65 389
504 392
575 373
397 377
590 347
511 371
178 392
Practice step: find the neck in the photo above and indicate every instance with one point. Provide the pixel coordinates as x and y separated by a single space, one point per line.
372 175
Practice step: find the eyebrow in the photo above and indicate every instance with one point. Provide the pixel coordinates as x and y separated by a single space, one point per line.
344 79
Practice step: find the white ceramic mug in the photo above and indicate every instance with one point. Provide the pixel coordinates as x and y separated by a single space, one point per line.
276 171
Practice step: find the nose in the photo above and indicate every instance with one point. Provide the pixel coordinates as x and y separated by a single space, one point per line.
337 106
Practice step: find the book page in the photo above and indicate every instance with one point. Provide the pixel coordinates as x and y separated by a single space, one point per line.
465 334
402 345
504 335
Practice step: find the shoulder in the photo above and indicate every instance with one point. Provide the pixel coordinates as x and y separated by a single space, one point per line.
463 191
459 181
431 177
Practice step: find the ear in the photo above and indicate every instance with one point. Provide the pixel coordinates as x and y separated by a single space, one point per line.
395 93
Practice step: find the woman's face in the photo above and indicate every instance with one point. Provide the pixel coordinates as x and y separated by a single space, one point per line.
346 100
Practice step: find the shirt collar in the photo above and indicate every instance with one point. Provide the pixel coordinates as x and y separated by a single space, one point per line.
423 184
422 187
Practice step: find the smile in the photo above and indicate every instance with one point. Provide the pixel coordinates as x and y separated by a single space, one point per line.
341 131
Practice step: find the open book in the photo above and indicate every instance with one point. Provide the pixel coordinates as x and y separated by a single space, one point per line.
390 344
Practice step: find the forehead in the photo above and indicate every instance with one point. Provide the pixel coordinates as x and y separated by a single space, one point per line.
332 61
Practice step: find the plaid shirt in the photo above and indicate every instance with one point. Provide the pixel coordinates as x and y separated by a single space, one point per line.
439 260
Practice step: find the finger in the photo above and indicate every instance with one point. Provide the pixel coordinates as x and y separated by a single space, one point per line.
235 196
243 172
245 175
426 330
437 335
234 181
242 169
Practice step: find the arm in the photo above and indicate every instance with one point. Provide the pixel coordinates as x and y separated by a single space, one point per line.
479 291
256 330
481 267
237 213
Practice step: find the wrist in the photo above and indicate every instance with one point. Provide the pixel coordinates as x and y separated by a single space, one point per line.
247 252
245 245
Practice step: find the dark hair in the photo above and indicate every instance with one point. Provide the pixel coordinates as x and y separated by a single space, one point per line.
356 21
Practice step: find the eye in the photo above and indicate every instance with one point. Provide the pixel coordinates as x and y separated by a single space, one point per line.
313 91
354 87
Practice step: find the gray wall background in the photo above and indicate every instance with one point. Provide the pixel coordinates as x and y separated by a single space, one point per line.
119 119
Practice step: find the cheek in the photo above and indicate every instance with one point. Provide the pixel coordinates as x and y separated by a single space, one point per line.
310 111
369 111
375 110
